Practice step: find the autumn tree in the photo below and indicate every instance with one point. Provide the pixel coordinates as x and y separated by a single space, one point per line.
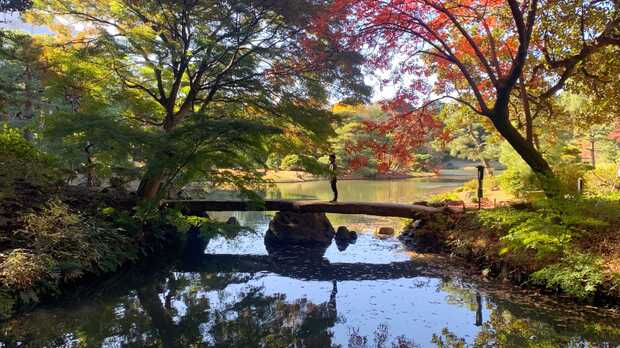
474 53
469 136
201 72
395 138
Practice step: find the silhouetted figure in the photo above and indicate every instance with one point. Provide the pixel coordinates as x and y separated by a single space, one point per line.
90 166
333 176
478 309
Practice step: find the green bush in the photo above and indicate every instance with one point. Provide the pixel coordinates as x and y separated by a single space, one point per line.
553 230
56 244
273 161
551 224
602 180
442 197
519 180
21 161
577 274
291 162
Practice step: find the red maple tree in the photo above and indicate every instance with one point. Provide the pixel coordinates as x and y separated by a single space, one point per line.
472 52
395 139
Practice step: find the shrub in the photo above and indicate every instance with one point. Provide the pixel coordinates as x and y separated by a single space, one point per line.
56 244
21 161
442 197
519 180
577 274
602 180
273 161
558 231
291 162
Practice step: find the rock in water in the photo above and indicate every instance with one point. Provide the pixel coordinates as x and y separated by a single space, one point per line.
232 221
299 229
385 231
344 237
343 234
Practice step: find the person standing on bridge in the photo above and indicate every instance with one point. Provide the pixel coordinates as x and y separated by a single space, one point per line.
333 176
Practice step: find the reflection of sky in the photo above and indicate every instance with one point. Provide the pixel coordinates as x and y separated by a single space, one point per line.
414 307
409 307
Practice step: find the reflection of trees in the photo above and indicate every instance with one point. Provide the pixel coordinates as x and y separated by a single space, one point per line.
380 340
525 325
270 321
175 311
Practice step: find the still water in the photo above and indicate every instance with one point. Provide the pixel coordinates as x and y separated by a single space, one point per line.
373 294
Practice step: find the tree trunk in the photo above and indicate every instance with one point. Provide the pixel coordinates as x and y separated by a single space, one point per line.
487 165
529 127
592 152
526 150
150 184
153 179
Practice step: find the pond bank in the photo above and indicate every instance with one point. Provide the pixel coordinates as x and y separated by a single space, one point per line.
292 176
58 237
567 247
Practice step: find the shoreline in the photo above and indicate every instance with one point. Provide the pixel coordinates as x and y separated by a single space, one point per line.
463 239
291 176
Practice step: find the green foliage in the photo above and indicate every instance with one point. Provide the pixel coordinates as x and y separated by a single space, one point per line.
603 180
303 162
549 227
552 231
519 180
446 196
21 100
291 162
20 160
57 245
577 274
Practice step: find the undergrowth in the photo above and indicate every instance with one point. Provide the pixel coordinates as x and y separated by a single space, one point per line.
562 235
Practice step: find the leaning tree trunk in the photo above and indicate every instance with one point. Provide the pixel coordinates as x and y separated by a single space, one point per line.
487 165
153 179
527 151
150 184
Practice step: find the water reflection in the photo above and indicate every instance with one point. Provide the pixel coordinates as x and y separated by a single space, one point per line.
247 300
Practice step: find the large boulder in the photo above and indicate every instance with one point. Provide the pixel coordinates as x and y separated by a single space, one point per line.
344 238
299 229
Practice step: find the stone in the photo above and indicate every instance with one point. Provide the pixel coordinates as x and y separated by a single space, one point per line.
299 229
232 221
385 231
343 234
344 238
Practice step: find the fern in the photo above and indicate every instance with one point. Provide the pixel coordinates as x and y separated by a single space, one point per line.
577 274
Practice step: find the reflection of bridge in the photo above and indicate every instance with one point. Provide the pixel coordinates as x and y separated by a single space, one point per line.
367 208
307 268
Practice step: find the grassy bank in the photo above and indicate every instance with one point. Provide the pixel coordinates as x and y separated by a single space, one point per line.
53 235
567 245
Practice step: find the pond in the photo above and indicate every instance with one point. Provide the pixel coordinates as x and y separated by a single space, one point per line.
372 294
